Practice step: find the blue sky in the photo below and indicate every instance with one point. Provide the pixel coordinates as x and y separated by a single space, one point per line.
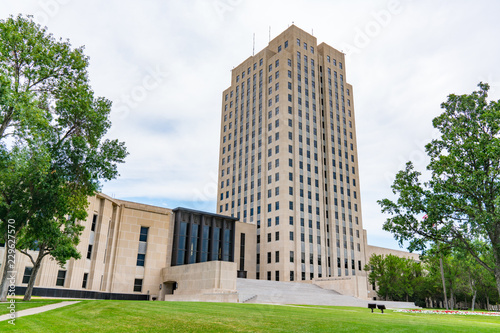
164 64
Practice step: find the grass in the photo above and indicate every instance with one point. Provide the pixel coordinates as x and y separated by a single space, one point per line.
22 305
133 316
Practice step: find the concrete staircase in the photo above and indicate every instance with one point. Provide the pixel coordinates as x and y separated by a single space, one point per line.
274 292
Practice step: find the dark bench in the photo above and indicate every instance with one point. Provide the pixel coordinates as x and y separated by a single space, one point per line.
381 307
374 306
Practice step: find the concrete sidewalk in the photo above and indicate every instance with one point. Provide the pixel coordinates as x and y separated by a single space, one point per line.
36 310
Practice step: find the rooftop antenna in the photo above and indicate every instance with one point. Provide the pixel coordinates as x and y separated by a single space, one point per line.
253 51
312 32
269 33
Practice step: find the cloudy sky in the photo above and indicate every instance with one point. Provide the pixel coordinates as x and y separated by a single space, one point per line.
165 63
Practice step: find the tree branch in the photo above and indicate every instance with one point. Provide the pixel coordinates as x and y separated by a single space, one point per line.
25 252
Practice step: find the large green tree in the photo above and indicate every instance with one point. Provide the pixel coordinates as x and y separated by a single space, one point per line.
53 150
395 278
460 202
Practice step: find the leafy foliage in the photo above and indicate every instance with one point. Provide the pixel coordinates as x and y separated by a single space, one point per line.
461 199
395 278
53 150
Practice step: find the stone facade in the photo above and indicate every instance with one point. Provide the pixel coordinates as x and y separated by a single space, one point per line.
127 249
288 160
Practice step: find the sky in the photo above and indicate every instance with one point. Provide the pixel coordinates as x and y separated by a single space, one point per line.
165 63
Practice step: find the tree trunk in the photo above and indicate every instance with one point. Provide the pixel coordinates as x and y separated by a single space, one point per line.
497 277
487 303
442 279
34 272
473 301
4 285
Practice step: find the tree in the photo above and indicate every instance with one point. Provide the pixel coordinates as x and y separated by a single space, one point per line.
462 276
395 278
53 151
462 197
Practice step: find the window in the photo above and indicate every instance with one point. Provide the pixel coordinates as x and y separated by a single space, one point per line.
277 275
277 256
89 251
138 285
144 234
182 245
268 257
27 274
94 222
291 235
61 276
140 259
85 278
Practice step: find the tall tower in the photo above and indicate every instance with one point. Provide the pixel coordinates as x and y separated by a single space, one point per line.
288 160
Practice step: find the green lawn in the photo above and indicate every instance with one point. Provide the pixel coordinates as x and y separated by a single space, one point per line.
132 316
21 305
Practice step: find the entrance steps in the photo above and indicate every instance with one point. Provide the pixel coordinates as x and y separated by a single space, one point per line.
275 292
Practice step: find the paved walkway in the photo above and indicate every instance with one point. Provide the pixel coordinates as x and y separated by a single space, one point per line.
36 310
